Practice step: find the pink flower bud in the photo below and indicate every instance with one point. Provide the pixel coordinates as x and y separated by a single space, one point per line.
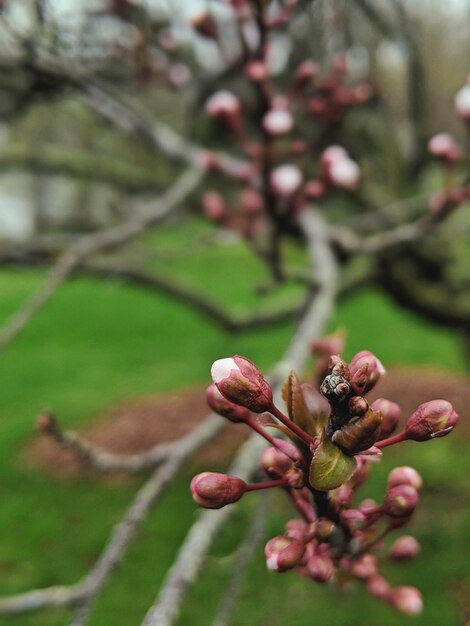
444 147
462 103
209 161
364 566
288 449
223 104
179 75
404 475
405 547
431 419
278 122
275 463
407 600
377 586
314 189
283 553
285 180
212 490
375 368
226 107
297 529
368 506
391 412
240 381
320 568
338 169
329 345
204 24
358 405
400 501
304 74
213 205
252 202
224 407
256 71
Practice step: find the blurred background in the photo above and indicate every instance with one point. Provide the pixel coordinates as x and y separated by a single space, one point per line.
126 364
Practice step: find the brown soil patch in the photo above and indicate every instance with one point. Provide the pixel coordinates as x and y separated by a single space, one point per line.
138 425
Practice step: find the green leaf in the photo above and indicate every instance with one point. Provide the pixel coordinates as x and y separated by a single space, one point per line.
296 407
330 467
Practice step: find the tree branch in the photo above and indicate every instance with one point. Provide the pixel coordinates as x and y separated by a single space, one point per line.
85 591
102 240
192 553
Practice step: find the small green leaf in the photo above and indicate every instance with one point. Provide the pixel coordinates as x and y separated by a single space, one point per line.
296 407
330 467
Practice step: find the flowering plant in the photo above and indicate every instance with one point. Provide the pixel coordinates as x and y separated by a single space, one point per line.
334 436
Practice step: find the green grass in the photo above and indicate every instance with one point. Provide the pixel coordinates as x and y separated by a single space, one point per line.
97 344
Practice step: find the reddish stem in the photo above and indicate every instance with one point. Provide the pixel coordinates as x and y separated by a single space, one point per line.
301 434
253 424
268 484
391 440
302 506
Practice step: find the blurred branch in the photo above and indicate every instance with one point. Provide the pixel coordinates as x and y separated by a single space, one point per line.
194 549
84 592
84 164
242 558
105 239
154 133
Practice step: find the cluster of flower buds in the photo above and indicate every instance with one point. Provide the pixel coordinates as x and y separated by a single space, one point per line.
329 98
274 181
446 150
333 437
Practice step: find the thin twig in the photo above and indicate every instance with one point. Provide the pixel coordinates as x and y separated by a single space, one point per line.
87 245
242 558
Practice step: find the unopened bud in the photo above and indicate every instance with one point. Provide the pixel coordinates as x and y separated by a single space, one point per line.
297 529
462 103
391 412
405 547
320 568
212 490
364 567
257 71
375 368
223 103
278 122
283 553
240 381
252 202
377 586
405 599
286 180
444 147
404 475
431 419
275 463
338 169
213 205
400 501
314 189
358 405
224 407
324 528
304 74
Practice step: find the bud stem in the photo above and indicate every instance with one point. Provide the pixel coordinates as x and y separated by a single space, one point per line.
301 434
391 440
253 424
269 484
